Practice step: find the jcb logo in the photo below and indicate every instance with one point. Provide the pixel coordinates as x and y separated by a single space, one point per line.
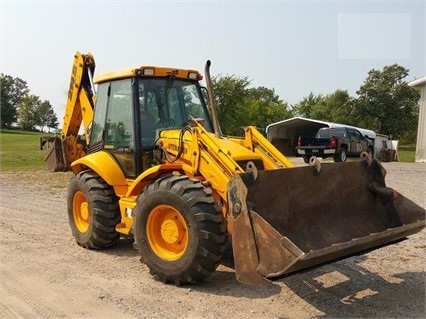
175 148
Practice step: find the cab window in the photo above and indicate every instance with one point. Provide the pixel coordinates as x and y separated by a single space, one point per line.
98 124
119 120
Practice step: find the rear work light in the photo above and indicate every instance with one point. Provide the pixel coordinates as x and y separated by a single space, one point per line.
148 72
194 76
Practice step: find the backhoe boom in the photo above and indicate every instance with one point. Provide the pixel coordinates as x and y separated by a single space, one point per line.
79 108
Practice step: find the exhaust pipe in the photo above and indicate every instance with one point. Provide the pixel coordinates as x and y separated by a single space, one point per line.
216 127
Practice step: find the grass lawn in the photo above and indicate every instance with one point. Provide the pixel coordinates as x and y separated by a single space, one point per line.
407 153
20 150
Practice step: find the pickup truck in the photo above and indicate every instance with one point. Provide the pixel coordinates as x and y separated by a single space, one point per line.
339 142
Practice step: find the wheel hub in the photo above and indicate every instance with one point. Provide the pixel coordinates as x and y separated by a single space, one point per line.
81 212
84 211
167 232
170 231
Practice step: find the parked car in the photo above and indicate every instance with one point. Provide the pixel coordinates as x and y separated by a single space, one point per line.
339 142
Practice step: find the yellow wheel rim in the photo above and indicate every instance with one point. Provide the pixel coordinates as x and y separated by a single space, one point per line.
167 232
81 212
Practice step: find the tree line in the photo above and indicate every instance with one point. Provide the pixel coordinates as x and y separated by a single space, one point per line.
384 103
20 107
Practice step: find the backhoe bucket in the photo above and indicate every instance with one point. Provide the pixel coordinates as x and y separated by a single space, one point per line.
54 156
289 219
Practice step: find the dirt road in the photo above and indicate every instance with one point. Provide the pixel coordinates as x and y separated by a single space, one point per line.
44 274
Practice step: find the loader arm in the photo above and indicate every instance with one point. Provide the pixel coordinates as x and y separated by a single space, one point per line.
79 108
257 143
219 159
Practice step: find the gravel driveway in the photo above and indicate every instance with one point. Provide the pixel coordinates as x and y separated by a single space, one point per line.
44 274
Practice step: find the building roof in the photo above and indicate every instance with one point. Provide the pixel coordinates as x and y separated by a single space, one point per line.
418 82
273 128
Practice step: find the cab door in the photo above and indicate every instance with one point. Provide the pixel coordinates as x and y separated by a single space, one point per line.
356 141
113 124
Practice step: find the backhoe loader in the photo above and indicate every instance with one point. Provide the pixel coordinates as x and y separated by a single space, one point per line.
153 163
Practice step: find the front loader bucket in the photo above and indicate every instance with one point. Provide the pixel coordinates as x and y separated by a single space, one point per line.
289 219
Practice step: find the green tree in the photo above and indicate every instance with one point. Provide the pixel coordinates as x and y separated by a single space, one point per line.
239 105
265 107
27 113
45 116
12 90
386 103
336 107
230 92
308 105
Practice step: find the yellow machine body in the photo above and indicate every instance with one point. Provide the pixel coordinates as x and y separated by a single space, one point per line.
280 218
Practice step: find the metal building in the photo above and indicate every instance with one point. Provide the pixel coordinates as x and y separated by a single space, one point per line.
284 134
420 84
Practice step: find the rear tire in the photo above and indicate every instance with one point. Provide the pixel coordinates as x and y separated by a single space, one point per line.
93 211
179 230
341 155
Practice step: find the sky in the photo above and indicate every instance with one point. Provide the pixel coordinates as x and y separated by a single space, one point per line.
292 47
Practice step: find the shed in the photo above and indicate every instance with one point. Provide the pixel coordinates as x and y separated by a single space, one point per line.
420 156
284 134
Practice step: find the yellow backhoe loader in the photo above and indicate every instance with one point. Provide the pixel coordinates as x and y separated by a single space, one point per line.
154 164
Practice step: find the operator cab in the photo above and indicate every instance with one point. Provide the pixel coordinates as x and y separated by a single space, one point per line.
130 112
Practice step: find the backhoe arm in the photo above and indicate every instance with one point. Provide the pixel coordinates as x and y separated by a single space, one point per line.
79 109
81 99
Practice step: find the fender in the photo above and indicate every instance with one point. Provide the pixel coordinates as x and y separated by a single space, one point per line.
150 175
106 167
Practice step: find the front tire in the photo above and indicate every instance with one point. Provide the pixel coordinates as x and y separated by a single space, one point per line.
93 211
179 230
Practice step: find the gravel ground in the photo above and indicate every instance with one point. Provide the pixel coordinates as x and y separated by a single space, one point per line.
44 274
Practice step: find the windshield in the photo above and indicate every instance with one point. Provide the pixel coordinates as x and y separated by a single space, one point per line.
171 103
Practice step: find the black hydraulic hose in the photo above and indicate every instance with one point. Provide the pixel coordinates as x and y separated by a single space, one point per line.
171 159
